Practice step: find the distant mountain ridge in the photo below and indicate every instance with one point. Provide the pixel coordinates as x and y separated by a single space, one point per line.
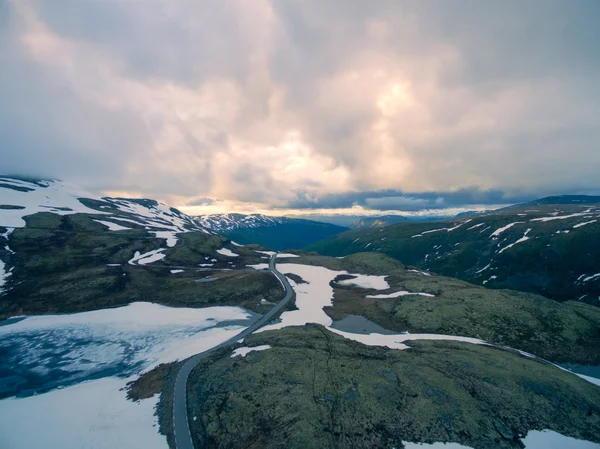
542 247
271 232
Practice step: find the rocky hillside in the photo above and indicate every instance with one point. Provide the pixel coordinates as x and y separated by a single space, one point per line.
64 250
540 247
272 232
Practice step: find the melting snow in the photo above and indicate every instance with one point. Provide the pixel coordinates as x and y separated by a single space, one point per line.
3 275
53 196
146 258
397 294
287 255
424 273
521 240
367 281
589 278
96 414
499 231
245 350
548 439
268 253
476 226
227 252
169 236
235 244
583 224
408 445
563 217
112 226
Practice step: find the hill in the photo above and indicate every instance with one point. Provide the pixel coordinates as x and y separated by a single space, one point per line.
549 249
272 232
63 250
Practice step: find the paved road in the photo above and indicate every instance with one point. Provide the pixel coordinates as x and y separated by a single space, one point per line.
181 426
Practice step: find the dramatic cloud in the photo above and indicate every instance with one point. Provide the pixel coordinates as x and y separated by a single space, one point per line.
304 104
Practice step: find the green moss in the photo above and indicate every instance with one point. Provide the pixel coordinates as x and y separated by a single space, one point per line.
316 389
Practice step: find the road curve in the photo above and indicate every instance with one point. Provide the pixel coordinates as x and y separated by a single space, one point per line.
181 426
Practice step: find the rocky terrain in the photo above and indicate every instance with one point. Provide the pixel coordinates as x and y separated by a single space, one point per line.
550 247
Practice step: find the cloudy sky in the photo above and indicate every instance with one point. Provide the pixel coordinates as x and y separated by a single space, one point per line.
298 104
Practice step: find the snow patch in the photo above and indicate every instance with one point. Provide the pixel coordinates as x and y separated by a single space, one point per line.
367 281
176 271
499 231
246 350
146 258
584 224
287 255
94 415
227 252
51 196
169 236
562 217
521 240
424 273
398 294
548 439
112 226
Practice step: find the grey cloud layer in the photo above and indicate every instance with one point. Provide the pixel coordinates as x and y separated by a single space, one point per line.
305 104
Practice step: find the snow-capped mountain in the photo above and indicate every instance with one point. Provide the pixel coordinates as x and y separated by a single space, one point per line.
272 232
229 222
21 198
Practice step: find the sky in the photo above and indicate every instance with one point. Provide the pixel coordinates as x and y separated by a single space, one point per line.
291 106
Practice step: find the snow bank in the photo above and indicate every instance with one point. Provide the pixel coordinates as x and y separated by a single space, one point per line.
91 415
579 225
96 414
499 231
424 273
367 281
3 275
245 350
227 252
51 196
260 266
169 236
548 439
398 294
311 296
559 217
397 341
287 255
146 258
408 445
112 226
268 253
521 240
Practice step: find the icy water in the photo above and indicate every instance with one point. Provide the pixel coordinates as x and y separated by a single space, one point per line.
40 354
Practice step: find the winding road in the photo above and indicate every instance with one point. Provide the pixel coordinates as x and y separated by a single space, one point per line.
181 425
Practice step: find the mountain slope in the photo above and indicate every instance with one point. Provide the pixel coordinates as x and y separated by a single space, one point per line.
550 249
272 232
63 250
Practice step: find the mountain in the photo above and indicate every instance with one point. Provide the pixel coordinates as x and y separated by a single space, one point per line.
107 298
377 222
272 232
65 250
540 247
